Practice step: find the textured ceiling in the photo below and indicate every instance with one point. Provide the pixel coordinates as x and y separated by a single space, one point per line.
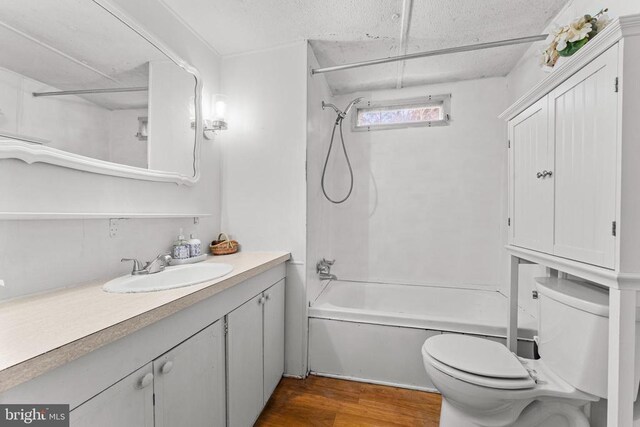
343 31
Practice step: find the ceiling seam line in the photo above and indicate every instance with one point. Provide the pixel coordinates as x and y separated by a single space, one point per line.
57 51
407 8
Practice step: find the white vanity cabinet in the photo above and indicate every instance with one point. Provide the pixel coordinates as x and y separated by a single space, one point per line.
172 372
563 167
255 354
129 402
189 381
183 386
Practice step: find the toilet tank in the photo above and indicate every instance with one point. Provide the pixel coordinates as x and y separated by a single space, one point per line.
573 333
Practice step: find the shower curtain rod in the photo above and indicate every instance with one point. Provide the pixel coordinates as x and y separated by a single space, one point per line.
465 48
89 91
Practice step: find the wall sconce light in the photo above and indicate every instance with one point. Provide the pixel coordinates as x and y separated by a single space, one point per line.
218 121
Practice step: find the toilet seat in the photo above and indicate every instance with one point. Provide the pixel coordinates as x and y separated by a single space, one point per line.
477 361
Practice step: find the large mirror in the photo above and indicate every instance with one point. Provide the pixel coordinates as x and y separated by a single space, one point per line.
85 87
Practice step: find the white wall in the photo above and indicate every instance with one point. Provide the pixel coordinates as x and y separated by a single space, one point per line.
69 123
264 169
124 145
46 188
528 72
429 204
171 137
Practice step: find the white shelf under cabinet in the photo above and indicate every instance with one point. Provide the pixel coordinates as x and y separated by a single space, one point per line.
23 216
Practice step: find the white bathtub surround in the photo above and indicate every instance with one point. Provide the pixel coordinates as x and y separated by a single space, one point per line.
373 332
319 219
429 204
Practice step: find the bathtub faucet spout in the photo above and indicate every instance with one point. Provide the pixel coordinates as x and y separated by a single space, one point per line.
323 268
328 276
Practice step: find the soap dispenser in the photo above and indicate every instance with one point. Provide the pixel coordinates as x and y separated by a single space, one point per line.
180 247
195 246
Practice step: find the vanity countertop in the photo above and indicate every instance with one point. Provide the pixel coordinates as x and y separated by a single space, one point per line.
41 332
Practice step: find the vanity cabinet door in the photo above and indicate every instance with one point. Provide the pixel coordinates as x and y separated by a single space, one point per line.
273 338
531 193
584 117
245 398
129 402
189 381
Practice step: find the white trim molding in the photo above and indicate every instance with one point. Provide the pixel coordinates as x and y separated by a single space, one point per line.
38 153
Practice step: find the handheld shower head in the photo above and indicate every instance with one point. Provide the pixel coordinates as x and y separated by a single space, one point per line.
351 104
341 114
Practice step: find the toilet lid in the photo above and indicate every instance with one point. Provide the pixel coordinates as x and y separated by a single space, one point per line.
478 356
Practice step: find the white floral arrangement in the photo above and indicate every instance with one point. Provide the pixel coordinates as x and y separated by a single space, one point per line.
567 40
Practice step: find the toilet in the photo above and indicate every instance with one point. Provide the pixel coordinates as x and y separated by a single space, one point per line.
484 384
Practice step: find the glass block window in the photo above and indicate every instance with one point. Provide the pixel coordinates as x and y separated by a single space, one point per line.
397 114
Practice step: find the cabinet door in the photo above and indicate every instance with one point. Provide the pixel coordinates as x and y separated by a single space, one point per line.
245 398
584 116
273 338
129 402
189 381
531 204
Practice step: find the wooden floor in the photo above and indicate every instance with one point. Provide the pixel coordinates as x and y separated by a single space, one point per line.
318 401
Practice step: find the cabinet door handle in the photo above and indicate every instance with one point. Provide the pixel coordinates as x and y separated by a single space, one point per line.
146 380
546 173
167 367
267 296
539 175
261 300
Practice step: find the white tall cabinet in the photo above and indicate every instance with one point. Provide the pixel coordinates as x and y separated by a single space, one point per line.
563 167
255 354
574 205
531 153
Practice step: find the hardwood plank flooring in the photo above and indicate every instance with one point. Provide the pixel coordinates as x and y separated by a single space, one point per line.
320 401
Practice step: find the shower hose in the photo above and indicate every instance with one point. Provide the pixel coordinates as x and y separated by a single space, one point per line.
338 123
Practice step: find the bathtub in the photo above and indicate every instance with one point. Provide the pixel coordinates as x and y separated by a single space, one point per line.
373 332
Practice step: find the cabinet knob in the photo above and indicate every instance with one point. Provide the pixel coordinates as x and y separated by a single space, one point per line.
546 173
167 367
146 380
539 175
267 297
261 300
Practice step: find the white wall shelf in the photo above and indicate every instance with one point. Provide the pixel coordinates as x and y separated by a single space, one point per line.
40 216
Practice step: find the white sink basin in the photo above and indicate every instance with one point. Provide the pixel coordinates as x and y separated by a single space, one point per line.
172 277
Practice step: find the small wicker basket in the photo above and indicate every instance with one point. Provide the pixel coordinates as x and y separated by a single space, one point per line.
223 246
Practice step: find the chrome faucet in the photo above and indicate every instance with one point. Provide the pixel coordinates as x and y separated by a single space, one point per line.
155 266
323 268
